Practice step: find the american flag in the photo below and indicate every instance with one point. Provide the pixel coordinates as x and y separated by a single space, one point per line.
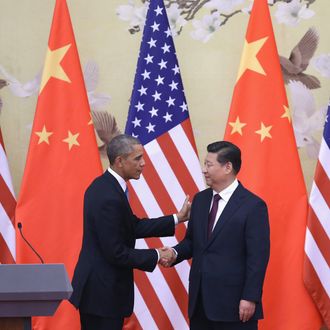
317 242
158 116
7 210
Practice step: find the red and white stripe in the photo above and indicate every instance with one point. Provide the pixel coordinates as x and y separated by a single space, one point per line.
317 243
7 210
172 171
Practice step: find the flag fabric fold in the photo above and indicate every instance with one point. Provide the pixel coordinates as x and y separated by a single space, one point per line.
259 123
62 161
158 116
317 241
7 210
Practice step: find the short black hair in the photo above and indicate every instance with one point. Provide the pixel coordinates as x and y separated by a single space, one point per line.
120 145
226 152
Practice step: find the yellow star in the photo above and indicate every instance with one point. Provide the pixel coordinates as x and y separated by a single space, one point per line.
72 140
287 113
53 66
237 126
44 135
264 131
249 57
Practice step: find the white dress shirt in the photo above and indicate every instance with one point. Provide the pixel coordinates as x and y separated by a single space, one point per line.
225 195
120 180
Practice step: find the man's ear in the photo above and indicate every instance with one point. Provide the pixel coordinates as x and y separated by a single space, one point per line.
118 162
229 167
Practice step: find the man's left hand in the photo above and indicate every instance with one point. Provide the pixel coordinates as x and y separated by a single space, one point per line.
184 213
246 310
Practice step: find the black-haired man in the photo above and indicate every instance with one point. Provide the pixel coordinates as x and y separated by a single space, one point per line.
228 240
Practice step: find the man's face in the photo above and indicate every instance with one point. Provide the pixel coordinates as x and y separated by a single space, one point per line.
215 174
133 164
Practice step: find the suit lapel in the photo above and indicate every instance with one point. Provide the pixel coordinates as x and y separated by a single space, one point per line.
117 187
232 206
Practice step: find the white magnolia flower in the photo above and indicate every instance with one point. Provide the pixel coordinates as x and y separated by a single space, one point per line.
322 64
18 88
205 27
97 101
175 19
224 6
293 12
306 119
248 8
133 14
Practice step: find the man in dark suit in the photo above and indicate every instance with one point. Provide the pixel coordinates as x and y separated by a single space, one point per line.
103 288
228 239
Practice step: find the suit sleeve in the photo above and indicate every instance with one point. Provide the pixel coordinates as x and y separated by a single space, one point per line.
257 252
116 244
159 227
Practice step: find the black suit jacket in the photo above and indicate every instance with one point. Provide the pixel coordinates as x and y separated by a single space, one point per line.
231 264
103 278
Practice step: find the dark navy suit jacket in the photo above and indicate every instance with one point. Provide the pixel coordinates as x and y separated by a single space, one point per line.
231 264
103 278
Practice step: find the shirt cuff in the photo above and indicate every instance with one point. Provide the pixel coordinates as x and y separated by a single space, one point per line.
176 220
158 256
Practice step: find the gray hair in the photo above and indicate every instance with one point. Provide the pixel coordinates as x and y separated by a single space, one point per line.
120 145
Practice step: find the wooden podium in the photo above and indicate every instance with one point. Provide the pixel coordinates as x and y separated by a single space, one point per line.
28 290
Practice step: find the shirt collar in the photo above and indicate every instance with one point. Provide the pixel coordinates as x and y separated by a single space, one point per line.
120 180
226 193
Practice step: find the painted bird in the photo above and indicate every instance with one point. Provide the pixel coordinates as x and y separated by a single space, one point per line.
106 128
293 67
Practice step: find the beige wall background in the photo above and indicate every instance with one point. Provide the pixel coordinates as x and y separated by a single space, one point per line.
208 68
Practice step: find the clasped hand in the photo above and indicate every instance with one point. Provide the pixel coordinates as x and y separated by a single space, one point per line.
167 256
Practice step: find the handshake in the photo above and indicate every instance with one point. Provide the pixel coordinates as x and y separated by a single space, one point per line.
167 256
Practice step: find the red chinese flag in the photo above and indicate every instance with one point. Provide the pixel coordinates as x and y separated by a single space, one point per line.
62 160
260 124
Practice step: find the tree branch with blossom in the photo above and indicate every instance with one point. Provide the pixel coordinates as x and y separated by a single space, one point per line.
288 12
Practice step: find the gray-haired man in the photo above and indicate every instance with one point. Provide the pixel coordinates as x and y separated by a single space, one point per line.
103 279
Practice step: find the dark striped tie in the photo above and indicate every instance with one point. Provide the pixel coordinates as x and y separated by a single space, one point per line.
213 214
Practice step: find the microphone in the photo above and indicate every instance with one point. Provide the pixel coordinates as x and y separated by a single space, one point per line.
19 225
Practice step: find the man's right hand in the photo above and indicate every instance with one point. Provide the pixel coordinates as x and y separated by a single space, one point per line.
246 310
167 256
